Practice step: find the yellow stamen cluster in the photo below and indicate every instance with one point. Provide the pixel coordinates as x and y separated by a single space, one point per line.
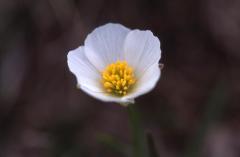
118 78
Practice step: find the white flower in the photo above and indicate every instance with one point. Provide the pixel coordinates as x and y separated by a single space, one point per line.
116 64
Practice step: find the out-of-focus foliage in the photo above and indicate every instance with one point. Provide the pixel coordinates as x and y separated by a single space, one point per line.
43 115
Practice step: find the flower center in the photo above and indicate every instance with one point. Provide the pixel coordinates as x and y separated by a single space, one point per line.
118 78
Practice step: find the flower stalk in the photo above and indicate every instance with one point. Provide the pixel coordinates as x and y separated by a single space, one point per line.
139 146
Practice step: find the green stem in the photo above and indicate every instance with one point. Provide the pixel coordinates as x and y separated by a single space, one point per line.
139 141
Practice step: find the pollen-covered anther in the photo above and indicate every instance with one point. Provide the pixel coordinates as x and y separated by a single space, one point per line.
118 78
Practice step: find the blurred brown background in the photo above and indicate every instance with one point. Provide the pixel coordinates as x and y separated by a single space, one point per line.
42 114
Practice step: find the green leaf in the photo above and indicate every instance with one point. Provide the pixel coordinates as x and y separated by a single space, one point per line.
151 146
214 108
113 144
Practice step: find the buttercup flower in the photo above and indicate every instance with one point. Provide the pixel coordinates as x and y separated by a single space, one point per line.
116 64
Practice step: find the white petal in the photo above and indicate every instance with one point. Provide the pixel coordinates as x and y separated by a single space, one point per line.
141 50
86 74
88 77
146 83
105 44
103 96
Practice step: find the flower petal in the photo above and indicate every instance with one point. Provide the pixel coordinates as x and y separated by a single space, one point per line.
88 77
141 50
105 44
103 96
86 74
146 83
